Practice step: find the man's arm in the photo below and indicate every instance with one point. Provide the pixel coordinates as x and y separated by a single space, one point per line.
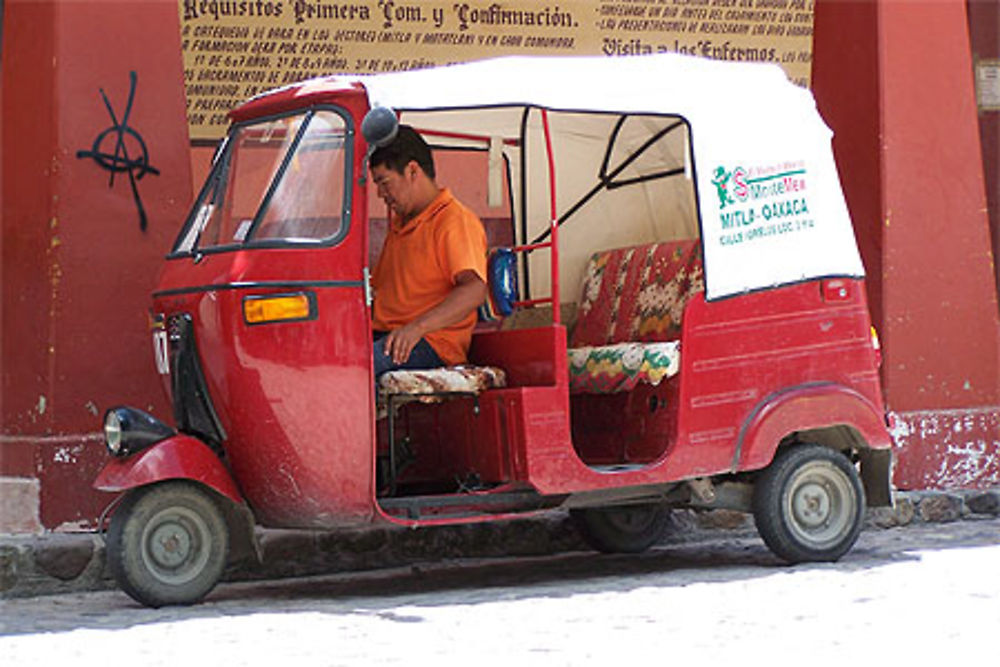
469 292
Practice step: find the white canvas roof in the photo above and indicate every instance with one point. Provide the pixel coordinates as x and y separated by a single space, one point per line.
766 186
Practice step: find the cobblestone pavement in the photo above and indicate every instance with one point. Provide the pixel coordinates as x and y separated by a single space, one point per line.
922 593
69 563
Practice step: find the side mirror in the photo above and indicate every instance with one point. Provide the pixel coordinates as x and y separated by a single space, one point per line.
379 127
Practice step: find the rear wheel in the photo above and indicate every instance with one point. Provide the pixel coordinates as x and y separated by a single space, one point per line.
809 504
168 544
623 529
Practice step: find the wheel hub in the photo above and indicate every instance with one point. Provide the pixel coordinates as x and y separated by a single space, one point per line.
811 505
170 545
820 505
175 545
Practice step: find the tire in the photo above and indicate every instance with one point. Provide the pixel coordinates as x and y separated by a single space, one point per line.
623 529
809 504
168 544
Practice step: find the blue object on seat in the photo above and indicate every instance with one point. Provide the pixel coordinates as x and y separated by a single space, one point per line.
501 275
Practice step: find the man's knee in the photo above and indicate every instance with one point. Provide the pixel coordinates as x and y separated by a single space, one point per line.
422 356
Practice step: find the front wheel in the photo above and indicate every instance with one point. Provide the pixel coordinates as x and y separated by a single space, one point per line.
624 529
168 544
809 504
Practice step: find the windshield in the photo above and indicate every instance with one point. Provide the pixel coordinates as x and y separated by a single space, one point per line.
280 181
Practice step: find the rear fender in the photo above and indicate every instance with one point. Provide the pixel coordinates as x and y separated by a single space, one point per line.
814 407
177 457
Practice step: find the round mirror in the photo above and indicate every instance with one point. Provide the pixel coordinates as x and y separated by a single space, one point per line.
379 126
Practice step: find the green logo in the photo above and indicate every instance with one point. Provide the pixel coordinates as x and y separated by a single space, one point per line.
721 182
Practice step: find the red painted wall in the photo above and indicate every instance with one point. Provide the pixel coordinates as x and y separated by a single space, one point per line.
934 187
77 270
907 141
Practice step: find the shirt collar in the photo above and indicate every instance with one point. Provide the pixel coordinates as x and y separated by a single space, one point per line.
442 199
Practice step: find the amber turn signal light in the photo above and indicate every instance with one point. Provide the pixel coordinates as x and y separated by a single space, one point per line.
279 308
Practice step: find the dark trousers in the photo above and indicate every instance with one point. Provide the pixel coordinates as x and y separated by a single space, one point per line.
422 356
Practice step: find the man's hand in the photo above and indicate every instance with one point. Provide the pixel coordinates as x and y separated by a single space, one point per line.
400 342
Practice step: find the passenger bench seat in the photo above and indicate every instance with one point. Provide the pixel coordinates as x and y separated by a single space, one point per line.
629 316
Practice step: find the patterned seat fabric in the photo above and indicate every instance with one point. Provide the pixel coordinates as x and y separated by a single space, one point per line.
449 379
608 369
432 384
629 317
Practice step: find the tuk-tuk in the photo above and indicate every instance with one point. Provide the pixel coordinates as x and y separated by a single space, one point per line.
677 319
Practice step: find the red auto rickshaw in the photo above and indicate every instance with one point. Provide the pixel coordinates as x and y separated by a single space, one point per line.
677 318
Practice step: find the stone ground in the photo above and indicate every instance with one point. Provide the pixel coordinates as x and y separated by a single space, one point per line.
920 594
74 562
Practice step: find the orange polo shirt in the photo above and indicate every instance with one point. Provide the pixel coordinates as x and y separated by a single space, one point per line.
417 267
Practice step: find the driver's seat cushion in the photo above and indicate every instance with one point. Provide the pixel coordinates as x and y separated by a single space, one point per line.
432 385
445 380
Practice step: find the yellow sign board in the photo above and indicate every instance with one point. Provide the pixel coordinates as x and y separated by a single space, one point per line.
234 49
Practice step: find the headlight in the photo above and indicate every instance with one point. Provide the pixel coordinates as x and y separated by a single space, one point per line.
113 432
127 431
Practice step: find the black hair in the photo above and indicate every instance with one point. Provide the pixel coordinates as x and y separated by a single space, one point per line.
408 145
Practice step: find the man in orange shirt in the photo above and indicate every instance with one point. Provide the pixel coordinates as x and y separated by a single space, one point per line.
431 275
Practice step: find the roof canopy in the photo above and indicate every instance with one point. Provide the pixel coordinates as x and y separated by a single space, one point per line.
766 195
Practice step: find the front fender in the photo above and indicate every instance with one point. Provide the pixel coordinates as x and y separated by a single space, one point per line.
803 408
177 457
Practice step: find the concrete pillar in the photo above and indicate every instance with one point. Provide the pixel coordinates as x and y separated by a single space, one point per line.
96 181
894 80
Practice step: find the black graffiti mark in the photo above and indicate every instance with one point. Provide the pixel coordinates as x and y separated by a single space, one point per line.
120 160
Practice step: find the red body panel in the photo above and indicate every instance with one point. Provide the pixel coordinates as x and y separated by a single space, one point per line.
738 355
294 398
754 369
177 457
807 407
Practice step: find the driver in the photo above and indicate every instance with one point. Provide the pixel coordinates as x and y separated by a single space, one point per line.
431 274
